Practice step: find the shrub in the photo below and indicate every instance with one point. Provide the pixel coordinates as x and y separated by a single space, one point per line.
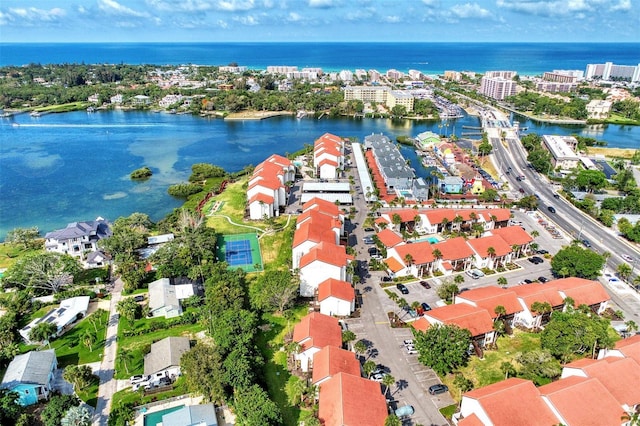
183 190
141 174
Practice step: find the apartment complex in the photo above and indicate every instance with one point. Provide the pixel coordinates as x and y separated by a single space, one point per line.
498 84
562 151
610 70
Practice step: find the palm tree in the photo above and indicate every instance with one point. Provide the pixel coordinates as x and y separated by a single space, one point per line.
43 332
388 380
392 420
125 358
444 223
459 279
368 367
491 252
88 339
408 259
535 233
631 326
502 281
624 271
360 348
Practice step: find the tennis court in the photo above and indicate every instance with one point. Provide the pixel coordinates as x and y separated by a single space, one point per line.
241 251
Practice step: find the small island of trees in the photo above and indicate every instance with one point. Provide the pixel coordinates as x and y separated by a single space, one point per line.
141 173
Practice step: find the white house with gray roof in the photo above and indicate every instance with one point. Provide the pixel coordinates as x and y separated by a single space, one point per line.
392 165
78 238
69 311
165 296
31 376
164 358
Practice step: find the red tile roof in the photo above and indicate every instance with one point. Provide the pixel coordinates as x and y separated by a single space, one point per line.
309 232
319 219
513 235
491 297
471 420
582 401
280 160
481 246
583 292
327 161
421 324
267 199
422 252
513 402
321 205
348 400
535 292
267 169
476 320
406 215
454 249
331 360
621 377
389 238
331 254
317 330
270 183
500 214
336 288
394 265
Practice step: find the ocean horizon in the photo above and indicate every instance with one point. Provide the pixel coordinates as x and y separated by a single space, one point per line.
430 58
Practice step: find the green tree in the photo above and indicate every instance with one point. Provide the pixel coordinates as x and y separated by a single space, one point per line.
447 290
392 420
387 381
575 261
128 309
128 234
368 367
77 416
48 272
254 408
540 160
462 383
23 236
202 367
348 336
443 347
575 333
508 369
43 331
80 376
539 366
9 408
55 409
274 291
624 271
89 339
590 180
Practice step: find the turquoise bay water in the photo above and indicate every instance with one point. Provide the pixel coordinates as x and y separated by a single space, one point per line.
61 168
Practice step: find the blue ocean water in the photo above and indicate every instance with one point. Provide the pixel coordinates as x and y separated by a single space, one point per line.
430 58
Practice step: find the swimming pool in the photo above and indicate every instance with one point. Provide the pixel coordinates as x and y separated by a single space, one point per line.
153 419
432 240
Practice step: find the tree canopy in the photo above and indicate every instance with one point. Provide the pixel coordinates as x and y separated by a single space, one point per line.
574 261
443 347
273 291
44 272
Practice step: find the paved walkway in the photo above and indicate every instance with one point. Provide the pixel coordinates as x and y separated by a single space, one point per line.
108 385
236 224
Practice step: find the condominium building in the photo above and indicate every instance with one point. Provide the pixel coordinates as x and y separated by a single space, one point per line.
559 77
497 88
452 75
599 108
608 70
562 151
501 74
400 97
555 87
366 93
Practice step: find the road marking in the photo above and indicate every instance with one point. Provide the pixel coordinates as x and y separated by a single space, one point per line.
381 322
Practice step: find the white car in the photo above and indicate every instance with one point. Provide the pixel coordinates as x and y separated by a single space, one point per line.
627 258
377 377
411 350
408 342
138 379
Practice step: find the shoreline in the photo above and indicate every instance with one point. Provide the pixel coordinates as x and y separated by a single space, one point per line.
255 115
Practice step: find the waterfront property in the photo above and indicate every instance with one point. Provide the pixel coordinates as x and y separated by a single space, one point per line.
63 317
78 238
31 376
269 187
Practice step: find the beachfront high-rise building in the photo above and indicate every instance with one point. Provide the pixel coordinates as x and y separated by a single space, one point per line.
376 94
609 70
498 84
374 76
559 77
573 73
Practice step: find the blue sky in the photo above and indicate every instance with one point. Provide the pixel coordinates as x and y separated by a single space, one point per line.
319 20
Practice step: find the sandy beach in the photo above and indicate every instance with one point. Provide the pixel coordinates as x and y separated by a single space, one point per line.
255 115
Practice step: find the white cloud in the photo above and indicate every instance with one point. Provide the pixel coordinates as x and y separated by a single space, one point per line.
469 10
181 6
32 15
235 5
431 2
114 8
550 8
247 20
392 19
294 17
321 4
623 5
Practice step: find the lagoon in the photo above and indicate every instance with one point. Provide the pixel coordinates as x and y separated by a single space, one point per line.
60 168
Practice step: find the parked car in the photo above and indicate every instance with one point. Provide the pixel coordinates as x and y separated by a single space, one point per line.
425 284
378 377
403 288
542 251
521 190
411 350
551 209
367 240
438 389
543 279
386 279
475 273
406 410
139 298
527 281
408 342
369 229
536 259
425 306
138 378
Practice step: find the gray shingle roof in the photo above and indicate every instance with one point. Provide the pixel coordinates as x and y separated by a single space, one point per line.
32 367
201 415
98 229
165 353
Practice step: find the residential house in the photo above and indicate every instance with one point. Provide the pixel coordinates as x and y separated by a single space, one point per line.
78 238
348 400
313 228
330 361
164 358
192 415
415 259
69 311
97 259
454 254
516 237
336 298
490 298
325 260
583 292
529 294
31 376
141 100
389 238
490 251
268 187
313 333
620 376
328 156
511 402
476 320
581 401
451 184
165 297
625 348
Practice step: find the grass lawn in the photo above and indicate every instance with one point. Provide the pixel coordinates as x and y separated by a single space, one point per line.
9 253
234 197
89 394
276 247
275 369
487 371
137 346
